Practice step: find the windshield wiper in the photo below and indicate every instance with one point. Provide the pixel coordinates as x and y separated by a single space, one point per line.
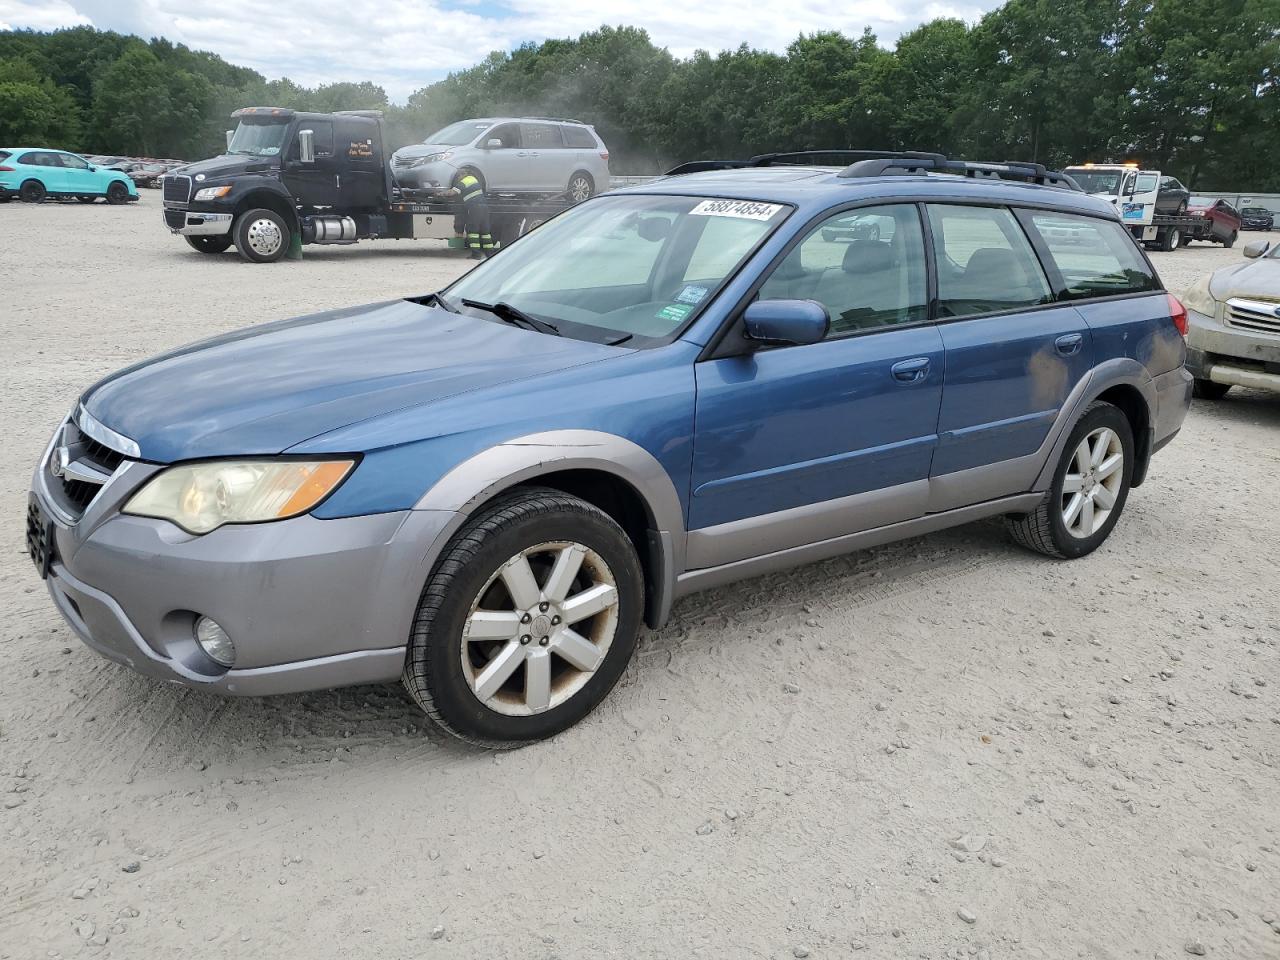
439 300
514 316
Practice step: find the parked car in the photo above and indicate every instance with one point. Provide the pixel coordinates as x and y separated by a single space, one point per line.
1224 219
486 490
1256 218
34 173
508 155
149 174
1173 197
1234 317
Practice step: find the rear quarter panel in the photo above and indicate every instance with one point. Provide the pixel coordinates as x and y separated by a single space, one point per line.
1140 328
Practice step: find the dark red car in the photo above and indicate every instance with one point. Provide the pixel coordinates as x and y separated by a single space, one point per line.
1223 224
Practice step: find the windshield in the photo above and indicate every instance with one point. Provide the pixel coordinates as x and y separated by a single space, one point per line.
1202 201
633 267
456 134
1256 211
1096 181
258 139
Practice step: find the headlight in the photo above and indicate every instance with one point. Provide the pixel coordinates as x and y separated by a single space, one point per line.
200 497
212 193
432 158
1200 299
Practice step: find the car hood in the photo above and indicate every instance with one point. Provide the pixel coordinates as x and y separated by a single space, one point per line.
423 149
1259 279
227 165
263 390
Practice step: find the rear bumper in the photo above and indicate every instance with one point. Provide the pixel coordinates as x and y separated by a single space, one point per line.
1173 400
7 192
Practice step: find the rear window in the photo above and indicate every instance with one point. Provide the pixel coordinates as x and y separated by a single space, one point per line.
579 138
1097 258
534 136
985 262
4 155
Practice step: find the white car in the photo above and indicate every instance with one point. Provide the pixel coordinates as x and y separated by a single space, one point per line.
509 155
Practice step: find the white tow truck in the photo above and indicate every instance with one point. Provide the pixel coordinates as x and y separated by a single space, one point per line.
1135 193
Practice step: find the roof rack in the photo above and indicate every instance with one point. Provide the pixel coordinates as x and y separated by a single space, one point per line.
371 114
834 158
556 120
1006 170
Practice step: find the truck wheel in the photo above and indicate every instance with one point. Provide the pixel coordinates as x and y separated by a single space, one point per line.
117 192
1171 240
1089 488
215 244
581 187
261 235
1209 390
1230 241
32 191
528 621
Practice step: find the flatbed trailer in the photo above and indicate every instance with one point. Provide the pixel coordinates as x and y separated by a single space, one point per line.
1168 232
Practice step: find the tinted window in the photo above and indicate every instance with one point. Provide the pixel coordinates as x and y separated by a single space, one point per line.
985 262
323 140
508 133
578 137
540 135
866 266
36 159
4 155
1096 258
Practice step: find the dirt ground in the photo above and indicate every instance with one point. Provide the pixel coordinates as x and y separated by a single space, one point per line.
989 754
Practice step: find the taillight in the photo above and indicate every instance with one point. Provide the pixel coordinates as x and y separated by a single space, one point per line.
604 154
6 169
1179 314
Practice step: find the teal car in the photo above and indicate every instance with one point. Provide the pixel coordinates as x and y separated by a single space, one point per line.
33 173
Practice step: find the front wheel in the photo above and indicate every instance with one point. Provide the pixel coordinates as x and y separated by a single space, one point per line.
1208 389
581 187
261 235
1230 241
210 244
1089 489
528 621
117 192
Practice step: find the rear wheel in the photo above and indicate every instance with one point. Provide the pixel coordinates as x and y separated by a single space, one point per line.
1171 240
117 192
527 622
1209 390
32 191
581 187
214 244
261 235
1089 489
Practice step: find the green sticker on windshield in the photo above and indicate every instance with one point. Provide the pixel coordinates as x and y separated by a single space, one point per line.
674 312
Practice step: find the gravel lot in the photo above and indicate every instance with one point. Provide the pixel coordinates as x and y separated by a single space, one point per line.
989 754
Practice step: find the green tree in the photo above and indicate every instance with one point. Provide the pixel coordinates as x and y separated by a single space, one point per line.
34 111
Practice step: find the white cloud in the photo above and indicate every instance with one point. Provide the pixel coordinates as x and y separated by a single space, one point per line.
405 44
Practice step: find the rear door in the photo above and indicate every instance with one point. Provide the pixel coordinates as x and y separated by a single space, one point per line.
48 169
1013 354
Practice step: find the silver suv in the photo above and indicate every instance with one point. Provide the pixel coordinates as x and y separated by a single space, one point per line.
509 155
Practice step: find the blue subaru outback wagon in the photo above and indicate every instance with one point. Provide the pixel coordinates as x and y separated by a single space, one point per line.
487 490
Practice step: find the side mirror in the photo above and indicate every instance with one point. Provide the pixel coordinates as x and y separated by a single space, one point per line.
1256 248
786 321
493 143
307 146
230 134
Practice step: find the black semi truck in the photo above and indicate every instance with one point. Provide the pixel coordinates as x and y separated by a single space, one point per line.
316 178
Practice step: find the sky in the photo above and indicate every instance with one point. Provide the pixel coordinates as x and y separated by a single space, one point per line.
406 44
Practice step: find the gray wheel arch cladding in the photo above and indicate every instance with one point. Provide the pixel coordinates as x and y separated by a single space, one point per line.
475 481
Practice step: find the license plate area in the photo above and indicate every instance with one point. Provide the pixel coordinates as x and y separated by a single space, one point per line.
40 538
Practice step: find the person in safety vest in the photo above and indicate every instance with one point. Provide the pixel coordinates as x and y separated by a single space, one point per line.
475 217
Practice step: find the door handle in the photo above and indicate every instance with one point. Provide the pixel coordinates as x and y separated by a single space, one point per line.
1069 344
911 371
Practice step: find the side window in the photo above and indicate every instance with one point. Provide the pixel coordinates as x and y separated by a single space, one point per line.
540 136
73 163
866 266
1096 258
578 138
508 133
37 159
1146 182
323 139
985 262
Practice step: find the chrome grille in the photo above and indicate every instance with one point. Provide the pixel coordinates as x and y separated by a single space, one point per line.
177 189
1257 316
79 466
403 161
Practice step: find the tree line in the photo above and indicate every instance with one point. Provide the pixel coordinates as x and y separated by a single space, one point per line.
1189 86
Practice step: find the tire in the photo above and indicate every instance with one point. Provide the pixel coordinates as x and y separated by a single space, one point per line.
117 193
1171 240
581 186
1186 240
443 670
32 191
261 235
210 244
1230 241
1209 390
87 198
1045 529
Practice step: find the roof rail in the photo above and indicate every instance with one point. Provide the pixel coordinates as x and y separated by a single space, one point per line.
372 114
832 158
555 120
1006 170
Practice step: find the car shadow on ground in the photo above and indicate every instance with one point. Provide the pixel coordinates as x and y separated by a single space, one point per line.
1257 407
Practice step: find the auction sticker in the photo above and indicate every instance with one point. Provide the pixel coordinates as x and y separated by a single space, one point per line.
675 312
741 209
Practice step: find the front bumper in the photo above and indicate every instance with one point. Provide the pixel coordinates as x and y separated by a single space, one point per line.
310 604
1230 355
196 224
432 177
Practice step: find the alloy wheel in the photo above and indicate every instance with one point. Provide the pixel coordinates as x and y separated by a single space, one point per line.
539 628
1092 482
580 188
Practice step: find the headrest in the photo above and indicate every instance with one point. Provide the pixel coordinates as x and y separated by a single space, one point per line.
790 269
867 256
995 262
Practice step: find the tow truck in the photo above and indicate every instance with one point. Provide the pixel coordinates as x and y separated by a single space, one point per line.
1134 192
290 178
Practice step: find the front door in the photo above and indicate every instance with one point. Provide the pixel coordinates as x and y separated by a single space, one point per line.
314 184
799 444
503 167
1012 355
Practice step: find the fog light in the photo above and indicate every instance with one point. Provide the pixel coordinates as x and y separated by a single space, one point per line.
214 641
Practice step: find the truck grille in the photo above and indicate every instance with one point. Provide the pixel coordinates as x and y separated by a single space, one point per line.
177 189
78 467
1258 316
